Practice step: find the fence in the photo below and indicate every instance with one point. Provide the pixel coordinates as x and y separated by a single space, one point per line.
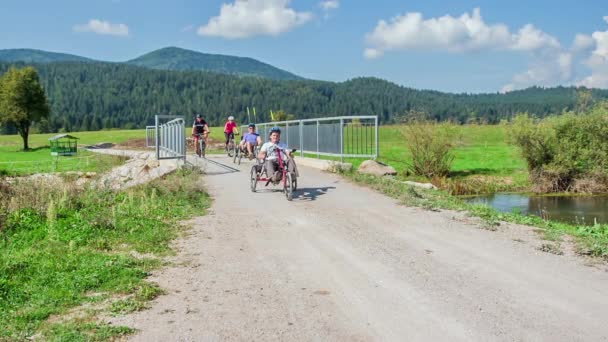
170 137
344 137
151 136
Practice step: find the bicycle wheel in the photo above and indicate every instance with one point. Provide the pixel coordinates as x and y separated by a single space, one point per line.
254 178
294 183
236 155
230 148
240 157
288 187
202 146
197 148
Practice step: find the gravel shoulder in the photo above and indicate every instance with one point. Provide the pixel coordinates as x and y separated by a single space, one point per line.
342 262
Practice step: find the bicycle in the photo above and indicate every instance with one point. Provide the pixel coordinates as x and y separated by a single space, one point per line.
230 148
289 180
239 154
201 146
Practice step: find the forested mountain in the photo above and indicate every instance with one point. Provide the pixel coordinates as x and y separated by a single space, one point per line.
173 58
91 96
38 56
170 58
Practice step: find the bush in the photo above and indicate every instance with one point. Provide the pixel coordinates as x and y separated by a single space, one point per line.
431 145
565 153
536 140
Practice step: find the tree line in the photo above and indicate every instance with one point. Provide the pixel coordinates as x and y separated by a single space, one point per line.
94 96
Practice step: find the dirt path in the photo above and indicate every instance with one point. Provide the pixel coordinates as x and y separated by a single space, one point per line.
343 263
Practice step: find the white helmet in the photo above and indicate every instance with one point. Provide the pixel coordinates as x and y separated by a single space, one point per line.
231 118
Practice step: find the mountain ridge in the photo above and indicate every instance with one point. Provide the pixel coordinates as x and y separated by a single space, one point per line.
167 58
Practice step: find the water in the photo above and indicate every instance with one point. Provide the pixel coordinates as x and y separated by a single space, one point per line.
571 209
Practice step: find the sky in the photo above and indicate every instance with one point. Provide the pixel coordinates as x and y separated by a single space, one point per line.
455 46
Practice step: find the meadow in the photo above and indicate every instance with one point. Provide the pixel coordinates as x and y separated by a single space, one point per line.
15 161
484 160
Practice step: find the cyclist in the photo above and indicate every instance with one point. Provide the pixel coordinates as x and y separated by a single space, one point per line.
251 139
269 152
230 129
199 128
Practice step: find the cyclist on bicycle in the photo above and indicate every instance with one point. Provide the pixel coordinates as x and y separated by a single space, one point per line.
200 128
270 152
230 129
251 139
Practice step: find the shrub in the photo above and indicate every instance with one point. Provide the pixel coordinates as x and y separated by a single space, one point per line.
565 153
431 145
536 140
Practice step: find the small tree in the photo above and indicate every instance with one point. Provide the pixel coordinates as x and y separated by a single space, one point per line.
281 115
22 100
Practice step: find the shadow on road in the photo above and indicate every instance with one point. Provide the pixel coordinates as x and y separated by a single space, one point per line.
211 167
311 194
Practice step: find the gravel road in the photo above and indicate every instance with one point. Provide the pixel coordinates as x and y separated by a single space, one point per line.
344 263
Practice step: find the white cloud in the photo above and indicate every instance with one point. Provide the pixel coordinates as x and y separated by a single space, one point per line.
606 18
597 62
469 32
103 27
582 42
548 68
329 5
372 53
247 18
529 38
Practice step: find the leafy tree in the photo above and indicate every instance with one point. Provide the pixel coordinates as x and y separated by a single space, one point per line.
22 100
281 115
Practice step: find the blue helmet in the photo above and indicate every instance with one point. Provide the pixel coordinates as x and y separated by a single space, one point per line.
252 125
275 129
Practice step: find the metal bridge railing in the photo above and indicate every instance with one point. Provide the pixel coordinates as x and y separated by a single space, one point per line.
150 136
344 136
170 137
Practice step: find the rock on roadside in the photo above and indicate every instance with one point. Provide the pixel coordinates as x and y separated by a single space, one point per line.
376 168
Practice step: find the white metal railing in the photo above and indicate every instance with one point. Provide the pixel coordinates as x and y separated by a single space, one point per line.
150 136
170 137
343 136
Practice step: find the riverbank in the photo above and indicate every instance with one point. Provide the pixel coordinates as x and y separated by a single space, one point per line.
591 240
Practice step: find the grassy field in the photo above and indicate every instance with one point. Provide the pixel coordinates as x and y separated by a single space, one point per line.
481 150
15 161
484 161
67 254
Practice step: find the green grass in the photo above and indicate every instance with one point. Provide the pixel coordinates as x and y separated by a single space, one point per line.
38 160
59 246
15 161
84 138
481 150
484 161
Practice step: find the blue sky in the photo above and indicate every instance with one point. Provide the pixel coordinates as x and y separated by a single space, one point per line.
457 46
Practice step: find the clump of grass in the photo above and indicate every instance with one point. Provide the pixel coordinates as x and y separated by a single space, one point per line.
58 244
